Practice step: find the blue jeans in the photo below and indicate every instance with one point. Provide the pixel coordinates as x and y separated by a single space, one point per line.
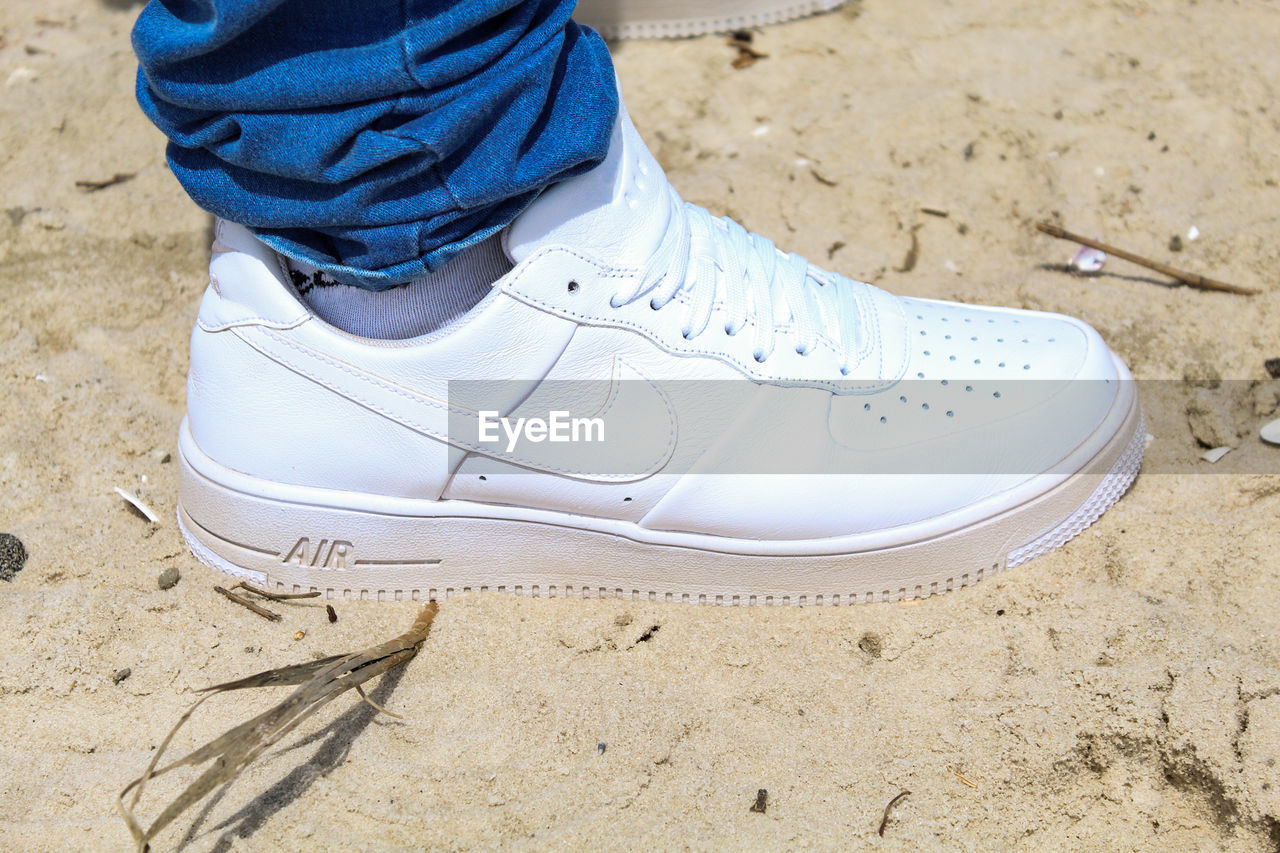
375 139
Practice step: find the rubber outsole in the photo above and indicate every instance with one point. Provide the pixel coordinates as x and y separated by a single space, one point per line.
317 544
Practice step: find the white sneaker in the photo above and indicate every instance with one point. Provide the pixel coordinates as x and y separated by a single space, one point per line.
776 433
629 19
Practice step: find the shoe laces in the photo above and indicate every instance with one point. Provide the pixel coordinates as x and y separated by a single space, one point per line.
703 259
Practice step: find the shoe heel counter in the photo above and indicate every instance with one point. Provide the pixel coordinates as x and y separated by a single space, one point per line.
255 416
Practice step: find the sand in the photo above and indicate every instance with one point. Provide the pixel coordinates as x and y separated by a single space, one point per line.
1122 693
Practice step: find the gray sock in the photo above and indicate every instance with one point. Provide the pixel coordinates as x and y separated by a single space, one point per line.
407 310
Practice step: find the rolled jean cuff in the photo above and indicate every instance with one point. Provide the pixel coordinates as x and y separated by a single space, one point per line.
374 139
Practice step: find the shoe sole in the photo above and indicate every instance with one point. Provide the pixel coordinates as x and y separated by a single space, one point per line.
652 19
296 539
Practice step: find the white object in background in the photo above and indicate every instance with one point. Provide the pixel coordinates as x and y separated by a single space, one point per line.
1213 455
630 19
1271 432
137 504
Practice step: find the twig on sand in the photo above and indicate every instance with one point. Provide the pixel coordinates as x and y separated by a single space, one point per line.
276 596
884 821
117 178
318 683
244 602
1188 278
267 594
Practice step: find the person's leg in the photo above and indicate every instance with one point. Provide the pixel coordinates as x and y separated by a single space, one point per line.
373 139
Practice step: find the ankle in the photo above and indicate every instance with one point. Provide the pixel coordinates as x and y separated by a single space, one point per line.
409 310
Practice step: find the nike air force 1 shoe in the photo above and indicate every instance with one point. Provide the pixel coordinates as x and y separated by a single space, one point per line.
652 404
678 18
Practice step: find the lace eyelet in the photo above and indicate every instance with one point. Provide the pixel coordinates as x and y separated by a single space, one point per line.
573 287
654 305
760 359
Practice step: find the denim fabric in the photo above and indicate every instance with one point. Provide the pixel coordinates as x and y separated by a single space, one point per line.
374 139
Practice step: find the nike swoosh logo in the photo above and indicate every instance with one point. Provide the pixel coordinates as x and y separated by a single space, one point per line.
637 437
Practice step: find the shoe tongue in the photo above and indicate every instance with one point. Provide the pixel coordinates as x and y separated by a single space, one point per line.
617 213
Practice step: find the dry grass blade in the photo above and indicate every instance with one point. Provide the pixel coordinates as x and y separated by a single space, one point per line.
374 705
319 682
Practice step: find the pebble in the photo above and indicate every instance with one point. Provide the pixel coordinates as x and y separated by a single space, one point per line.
1271 432
120 675
1273 367
169 578
1088 261
1210 421
13 556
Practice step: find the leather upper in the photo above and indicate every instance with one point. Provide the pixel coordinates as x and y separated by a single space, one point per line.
944 407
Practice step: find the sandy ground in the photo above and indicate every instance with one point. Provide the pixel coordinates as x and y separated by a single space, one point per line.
1120 694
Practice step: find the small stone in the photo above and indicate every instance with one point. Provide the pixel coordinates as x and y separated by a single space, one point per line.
1087 261
13 556
299 635
120 675
1265 399
1175 243
1201 374
1211 424
169 578
762 801
1273 367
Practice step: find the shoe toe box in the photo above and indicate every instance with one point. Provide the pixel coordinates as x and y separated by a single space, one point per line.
986 391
